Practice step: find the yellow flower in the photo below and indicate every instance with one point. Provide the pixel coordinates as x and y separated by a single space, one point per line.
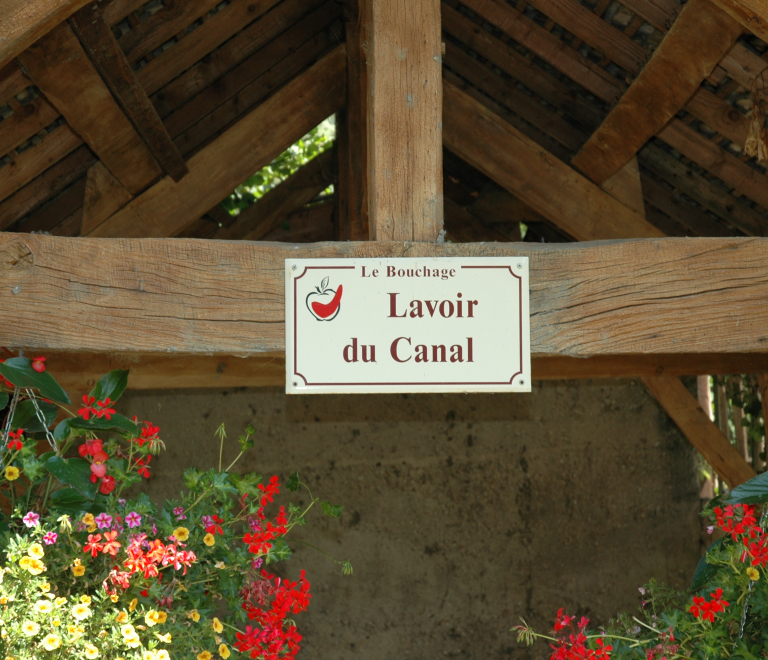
217 625
11 473
72 629
122 617
51 642
91 651
194 615
220 564
150 618
81 611
162 654
205 655
133 604
149 655
224 651
181 533
127 630
85 599
50 595
35 567
753 574
132 641
36 552
45 586
114 598
44 606
24 562
30 628
88 519
164 638
208 539
3 600
56 623
79 571
161 617
60 601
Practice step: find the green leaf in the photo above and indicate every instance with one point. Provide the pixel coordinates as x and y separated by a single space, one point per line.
753 491
25 416
333 510
3 400
68 500
111 385
116 423
20 372
278 552
704 571
293 482
246 484
73 472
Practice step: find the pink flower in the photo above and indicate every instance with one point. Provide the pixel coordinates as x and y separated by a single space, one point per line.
206 520
133 519
179 513
49 538
103 521
710 529
32 519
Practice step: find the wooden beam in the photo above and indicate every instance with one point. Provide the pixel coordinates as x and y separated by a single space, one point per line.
108 58
539 179
78 373
698 40
59 66
626 187
215 171
104 196
261 217
23 22
310 224
752 14
26 121
702 432
405 96
653 297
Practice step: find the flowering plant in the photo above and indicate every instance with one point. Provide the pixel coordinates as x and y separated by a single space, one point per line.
723 615
90 573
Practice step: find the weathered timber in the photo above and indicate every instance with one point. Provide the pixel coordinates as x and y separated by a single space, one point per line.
593 30
46 186
25 122
549 48
464 227
626 187
545 183
56 211
253 142
34 161
405 96
719 201
719 115
102 48
659 13
104 196
752 14
242 52
700 37
12 81
702 432
261 217
307 225
667 296
59 66
743 65
23 22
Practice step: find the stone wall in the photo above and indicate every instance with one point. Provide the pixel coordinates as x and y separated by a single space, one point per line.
462 512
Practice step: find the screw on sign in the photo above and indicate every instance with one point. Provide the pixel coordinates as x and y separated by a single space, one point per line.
324 303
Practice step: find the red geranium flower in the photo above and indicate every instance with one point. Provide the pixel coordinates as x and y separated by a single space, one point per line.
107 485
38 364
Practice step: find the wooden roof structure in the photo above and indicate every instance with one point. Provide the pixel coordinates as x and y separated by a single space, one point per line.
132 120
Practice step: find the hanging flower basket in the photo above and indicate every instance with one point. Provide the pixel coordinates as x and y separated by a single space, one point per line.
90 573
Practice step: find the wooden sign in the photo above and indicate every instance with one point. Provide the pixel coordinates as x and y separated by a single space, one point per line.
407 325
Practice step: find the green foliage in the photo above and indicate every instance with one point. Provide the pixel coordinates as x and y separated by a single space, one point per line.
26 416
333 510
311 145
19 371
111 385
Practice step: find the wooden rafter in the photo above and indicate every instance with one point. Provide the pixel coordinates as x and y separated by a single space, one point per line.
698 40
652 297
752 14
60 67
108 58
253 142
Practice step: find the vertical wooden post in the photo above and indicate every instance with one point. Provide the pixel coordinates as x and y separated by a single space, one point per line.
404 119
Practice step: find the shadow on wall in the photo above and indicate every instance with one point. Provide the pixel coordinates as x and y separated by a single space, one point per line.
462 512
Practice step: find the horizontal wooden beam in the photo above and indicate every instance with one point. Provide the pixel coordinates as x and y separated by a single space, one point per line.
652 297
78 372
752 14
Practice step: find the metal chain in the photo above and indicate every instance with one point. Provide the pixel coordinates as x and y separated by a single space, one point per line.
9 418
41 418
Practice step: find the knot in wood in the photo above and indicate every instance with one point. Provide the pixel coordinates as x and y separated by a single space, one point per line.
16 257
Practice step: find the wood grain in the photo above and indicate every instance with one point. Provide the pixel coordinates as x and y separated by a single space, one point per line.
25 122
626 187
702 432
719 115
698 40
405 96
60 67
752 14
542 181
167 207
104 196
658 297
105 53
23 22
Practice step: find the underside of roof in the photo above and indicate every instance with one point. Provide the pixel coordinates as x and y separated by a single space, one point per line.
232 84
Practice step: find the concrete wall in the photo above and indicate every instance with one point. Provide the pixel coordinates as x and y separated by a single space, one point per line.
462 513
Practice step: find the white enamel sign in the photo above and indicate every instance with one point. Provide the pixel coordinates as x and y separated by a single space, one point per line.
407 325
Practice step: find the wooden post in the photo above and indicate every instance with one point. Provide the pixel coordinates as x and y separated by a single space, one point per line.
404 119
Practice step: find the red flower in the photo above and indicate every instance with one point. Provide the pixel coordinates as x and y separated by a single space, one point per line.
143 466
107 485
111 546
103 409
270 490
215 528
90 447
705 610
93 546
15 443
87 410
38 364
